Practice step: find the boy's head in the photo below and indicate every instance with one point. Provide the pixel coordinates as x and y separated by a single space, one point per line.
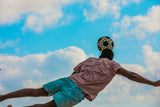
107 53
105 44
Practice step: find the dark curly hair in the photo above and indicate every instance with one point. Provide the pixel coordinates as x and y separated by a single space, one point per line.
107 53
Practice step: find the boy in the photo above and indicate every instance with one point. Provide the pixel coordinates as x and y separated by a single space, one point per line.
88 79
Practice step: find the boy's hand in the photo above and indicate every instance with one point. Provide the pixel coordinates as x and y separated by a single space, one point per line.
157 83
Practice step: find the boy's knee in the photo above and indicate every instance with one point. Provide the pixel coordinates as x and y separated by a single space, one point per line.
51 104
43 91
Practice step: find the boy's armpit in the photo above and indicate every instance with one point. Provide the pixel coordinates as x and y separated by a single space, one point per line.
124 72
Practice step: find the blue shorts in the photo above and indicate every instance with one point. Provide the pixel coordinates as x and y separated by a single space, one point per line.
65 92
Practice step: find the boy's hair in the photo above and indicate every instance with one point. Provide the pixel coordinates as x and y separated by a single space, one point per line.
107 53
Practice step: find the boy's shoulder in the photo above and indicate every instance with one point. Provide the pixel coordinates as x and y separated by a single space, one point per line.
94 58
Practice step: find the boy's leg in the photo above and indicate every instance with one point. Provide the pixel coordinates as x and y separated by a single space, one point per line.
25 93
49 104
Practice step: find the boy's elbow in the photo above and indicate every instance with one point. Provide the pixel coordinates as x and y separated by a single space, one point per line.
131 77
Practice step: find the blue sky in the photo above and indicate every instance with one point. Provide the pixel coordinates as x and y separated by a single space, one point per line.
38 37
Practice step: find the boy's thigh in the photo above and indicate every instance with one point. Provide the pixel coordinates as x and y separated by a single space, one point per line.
54 86
63 100
66 92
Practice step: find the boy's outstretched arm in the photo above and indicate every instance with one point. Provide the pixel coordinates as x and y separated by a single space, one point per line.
136 77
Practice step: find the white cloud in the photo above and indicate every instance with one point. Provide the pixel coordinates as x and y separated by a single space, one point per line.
13 65
72 53
122 90
30 83
150 22
135 68
120 83
39 13
100 8
9 43
39 68
151 59
1 89
50 12
134 99
103 7
141 26
156 92
32 71
37 23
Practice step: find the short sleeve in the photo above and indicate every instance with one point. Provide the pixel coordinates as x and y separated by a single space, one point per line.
76 69
116 66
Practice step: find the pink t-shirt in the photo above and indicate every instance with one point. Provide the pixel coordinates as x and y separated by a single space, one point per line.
93 75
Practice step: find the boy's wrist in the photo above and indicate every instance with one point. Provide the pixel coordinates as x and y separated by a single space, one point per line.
154 83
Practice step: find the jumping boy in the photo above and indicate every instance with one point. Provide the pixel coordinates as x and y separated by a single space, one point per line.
88 79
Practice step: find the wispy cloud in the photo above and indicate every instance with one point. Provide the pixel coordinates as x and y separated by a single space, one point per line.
9 43
99 8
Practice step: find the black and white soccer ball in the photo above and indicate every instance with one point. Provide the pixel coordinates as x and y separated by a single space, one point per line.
105 42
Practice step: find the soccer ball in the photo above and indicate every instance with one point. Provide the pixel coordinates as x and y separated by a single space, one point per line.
105 42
